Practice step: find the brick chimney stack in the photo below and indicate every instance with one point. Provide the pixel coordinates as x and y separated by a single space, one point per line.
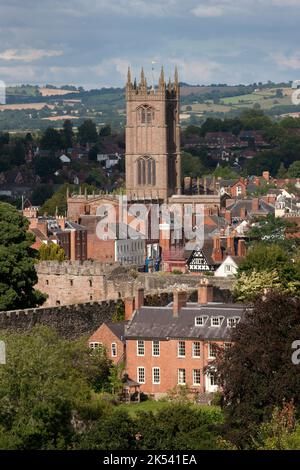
205 292
255 204
230 246
242 212
217 252
241 248
139 298
179 301
129 308
228 216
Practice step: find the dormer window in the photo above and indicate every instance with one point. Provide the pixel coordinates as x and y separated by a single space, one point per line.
232 322
200 321
216 321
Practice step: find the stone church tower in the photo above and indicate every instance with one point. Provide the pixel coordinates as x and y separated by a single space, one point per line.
153 164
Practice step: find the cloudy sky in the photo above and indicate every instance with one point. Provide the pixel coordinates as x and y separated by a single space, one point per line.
91 42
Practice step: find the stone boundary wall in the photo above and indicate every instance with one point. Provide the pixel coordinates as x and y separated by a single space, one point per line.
70 321
75 321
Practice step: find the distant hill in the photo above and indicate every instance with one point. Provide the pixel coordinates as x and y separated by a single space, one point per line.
107 105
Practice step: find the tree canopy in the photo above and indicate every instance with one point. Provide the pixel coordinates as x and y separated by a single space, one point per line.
17 262
256 373
51 252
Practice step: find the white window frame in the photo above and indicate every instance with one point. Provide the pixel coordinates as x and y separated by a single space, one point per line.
196 384
179 371
140 368
95 344
211 345
235 321
238 190
181 343
220 319
140 346
193 349
154 369
155 348
202 320
114 350
228 268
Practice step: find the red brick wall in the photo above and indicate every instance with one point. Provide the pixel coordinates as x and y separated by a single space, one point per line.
169 363
105 336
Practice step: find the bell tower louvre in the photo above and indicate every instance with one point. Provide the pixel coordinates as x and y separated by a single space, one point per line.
153 164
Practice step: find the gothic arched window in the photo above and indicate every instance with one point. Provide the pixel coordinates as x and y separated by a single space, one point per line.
146 171
145 114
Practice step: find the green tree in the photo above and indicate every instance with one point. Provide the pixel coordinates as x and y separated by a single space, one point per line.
282 432
67 133
51 252
179 427
114 431
191 165
294 170
42 386
271 229
225 172
17 262
87 132
115 377
57 204
281 173
18 154
250 285
257 372
51 139
93 152
41 193
105 131
46 167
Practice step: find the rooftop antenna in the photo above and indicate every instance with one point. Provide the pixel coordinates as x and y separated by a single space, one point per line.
152 69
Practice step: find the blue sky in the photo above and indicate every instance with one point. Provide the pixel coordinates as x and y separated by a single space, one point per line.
92 42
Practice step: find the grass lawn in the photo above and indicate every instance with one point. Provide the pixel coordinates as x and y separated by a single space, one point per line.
154 406
148 405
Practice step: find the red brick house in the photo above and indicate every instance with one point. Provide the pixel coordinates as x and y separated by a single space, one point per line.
111 336
172 345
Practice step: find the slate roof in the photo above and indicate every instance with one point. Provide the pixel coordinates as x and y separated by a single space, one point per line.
264 207
38 234
159 322
118 329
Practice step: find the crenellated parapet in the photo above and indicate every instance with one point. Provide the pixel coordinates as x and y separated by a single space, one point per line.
141 90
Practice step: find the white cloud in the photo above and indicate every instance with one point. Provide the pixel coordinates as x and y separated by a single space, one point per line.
197 71
28 55
207 11
21 74
287 62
